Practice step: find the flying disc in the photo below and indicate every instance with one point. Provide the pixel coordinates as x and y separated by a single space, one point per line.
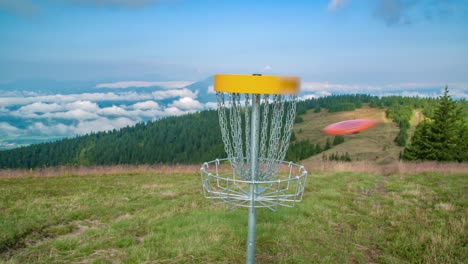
349 126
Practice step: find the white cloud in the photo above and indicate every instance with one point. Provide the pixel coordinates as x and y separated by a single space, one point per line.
161 95
84 105
8 130
307 96
75 114
187 103
113 111
40 107
147 105
142 84
267 68
20 100
79 110
336 4
351 88
68 98
103 124
459 93
81 128
173 111
38 128
457 90
210 90
97 97
211 105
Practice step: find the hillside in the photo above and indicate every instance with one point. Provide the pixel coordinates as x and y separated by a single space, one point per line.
376 144
163 218
195 138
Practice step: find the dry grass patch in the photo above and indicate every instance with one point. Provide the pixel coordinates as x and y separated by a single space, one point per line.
397 167
99 170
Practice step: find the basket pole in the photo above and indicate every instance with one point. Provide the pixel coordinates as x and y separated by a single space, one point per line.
254 135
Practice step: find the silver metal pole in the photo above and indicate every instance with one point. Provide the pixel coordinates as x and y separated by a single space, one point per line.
254 135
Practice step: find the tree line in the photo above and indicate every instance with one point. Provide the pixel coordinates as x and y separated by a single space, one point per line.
303 149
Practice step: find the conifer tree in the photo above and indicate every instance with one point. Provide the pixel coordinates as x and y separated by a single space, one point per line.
347 157
338 140
328 144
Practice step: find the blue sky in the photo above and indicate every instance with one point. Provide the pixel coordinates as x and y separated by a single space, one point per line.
69 67
368 42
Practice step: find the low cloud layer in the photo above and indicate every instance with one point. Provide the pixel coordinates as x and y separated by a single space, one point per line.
315 89
187 103
77 114
143 84
96 97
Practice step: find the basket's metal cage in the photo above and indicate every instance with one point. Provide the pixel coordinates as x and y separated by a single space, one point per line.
223 187
256 116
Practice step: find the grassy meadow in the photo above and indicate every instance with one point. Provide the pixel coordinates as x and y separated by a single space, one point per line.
151 217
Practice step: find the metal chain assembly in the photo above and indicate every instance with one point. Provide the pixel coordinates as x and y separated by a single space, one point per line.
276 121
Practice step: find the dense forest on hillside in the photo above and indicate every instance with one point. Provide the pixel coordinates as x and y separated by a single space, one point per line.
191 138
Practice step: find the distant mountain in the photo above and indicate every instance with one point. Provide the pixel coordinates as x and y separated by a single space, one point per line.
203 88
49 87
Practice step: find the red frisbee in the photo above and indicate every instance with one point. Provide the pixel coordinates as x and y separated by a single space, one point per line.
349 126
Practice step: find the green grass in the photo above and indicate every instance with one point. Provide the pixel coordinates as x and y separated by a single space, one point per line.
344 218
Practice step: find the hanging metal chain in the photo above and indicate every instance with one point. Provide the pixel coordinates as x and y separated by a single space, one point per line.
288 126
264 127
263 137
223 124
275 133
247 110
236 131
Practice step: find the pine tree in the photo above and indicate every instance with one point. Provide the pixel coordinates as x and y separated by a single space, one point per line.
448 121
328 144
338 140
293 136
422 146
324 157
318 148
347 157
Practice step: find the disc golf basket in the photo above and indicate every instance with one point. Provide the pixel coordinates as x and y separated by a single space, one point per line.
256 116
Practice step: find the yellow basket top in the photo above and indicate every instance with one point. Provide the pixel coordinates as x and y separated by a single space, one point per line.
256 84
